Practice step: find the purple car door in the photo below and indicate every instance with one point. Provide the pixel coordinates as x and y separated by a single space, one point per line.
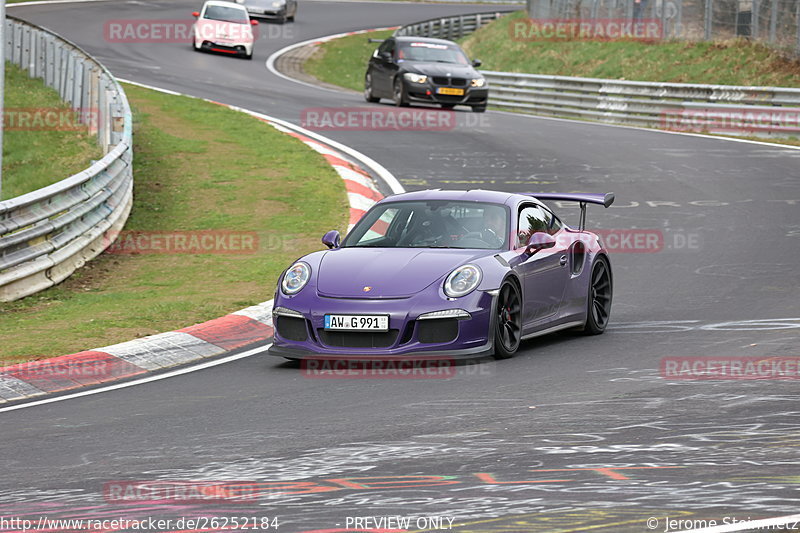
545 273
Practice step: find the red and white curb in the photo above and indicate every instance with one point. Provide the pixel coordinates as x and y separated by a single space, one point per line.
210 339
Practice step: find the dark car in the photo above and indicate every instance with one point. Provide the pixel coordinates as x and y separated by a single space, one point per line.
279 10
418 69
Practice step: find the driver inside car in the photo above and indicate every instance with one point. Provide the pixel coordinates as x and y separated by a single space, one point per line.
494 221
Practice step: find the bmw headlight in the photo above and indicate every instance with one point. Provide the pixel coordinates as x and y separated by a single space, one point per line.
295 278
479 82
415 78
462 281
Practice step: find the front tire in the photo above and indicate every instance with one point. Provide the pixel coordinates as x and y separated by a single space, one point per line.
399 93
598 308
507 321
368 95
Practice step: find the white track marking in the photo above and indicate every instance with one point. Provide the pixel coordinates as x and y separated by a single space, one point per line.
270 63
157 377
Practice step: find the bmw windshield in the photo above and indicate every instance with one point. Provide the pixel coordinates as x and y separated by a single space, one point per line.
432 224
431 52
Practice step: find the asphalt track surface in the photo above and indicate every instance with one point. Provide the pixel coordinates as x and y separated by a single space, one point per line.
536 443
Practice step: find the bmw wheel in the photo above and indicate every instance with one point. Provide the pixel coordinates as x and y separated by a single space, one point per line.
368 96
508 321
399 93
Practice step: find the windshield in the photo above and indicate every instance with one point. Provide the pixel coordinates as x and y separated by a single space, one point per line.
432 52
226 14
432 224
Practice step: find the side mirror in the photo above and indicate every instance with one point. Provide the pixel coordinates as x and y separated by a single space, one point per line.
196 14
332 239
253 22
539 241
386 56
477 62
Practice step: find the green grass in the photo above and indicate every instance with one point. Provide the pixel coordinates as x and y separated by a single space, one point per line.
197 166
734 62
343 62
37 158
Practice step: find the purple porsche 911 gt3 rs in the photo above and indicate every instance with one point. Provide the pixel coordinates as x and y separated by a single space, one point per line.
445 273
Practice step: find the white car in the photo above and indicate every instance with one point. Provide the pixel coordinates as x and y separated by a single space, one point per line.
223 27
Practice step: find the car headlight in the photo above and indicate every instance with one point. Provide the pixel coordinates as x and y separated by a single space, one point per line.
415 78
277 4
462 281
479 82
295 278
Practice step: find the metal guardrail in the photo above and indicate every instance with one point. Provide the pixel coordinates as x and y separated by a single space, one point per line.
764 111
47 234
770 111
450 27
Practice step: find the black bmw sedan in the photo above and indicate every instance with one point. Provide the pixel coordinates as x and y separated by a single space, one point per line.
419 69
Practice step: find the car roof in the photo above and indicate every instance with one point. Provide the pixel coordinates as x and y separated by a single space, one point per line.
225 3
474 195
412 39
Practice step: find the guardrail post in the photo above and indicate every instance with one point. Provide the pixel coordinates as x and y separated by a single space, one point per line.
707 20
17 44
61 70
773 20
797 23
460 26
77 87
754 20
41 55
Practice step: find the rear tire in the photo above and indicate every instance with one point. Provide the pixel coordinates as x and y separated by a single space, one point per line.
598 306
479 109
507 321
448 106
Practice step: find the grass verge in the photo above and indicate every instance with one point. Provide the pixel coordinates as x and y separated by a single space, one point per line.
39 155
343 61
734 62
198 166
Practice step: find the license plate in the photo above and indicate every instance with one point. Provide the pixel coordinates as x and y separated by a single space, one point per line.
450 90
357 322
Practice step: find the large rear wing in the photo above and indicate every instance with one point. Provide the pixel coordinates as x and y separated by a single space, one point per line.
582 198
